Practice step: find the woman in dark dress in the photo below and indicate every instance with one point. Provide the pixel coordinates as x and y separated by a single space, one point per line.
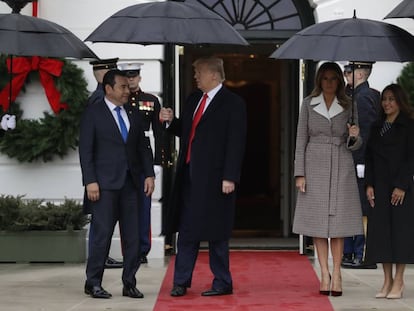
390 190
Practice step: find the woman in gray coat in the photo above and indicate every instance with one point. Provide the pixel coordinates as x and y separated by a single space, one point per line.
328 204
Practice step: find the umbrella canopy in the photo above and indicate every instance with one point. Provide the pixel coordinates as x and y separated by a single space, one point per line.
349 39
166 22
404 9
32 36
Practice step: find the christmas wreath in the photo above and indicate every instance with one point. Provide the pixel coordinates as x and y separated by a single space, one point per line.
56 133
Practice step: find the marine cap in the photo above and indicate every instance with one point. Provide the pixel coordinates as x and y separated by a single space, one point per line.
130 69
109 63
357 65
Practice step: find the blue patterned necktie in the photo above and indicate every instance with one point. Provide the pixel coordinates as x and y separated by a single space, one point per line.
122 125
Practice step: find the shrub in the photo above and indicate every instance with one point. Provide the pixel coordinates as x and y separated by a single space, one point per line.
17 214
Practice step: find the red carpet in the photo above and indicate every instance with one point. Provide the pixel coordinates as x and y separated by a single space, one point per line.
263 281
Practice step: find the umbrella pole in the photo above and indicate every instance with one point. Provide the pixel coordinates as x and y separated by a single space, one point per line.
10 82
353 92
352 139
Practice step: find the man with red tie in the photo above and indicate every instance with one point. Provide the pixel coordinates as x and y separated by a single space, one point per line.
212 131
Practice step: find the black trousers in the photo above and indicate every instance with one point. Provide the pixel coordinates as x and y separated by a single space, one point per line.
114 205
187 249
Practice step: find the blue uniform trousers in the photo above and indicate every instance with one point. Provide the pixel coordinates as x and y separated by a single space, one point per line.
355 246
145 224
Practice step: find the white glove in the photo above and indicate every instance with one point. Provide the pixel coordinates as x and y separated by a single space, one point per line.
11 122
360 170
157 169
4 120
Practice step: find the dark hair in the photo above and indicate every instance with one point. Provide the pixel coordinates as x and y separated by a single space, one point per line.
401 99
109 78
343 99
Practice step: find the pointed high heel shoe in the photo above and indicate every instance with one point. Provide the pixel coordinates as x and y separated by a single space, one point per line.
337 293
326 292
397 295
381 295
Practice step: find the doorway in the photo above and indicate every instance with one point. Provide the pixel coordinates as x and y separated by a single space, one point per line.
254 76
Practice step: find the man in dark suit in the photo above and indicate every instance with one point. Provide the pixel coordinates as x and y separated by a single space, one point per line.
212 132
100 67
113 155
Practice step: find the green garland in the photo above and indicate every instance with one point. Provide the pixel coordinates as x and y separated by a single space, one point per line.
51 135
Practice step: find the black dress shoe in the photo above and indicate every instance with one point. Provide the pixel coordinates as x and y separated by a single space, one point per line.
360 264
96 292
347 261
144 259
178 291
217 292
111 263
132 292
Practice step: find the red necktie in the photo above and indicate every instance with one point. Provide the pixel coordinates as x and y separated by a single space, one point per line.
196 119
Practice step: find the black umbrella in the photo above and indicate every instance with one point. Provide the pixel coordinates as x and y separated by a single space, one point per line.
32 36
166 22
22 35
404 9
349 39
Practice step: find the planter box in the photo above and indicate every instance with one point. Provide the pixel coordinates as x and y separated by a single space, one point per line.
43 246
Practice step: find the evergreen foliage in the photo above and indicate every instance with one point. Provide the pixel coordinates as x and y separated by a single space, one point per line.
406 80
51 135
17 214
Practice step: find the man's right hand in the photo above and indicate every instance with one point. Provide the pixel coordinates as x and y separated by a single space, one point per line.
92 191
166 115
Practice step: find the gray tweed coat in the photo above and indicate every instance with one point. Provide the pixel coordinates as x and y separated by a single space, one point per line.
330 206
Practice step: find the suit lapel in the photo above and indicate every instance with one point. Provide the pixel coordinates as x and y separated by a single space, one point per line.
214 104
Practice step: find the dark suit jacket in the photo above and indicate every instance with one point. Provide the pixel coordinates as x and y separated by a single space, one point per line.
104 157
217 155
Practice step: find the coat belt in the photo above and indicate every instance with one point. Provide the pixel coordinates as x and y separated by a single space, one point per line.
335 140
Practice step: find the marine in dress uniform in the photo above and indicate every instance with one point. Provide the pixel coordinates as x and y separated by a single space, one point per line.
368 105
149 107
100 67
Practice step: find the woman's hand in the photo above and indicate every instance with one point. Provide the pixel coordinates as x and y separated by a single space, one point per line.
370 195
397 196
353 130
300 183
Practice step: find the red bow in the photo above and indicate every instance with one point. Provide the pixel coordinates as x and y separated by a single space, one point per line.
47 68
